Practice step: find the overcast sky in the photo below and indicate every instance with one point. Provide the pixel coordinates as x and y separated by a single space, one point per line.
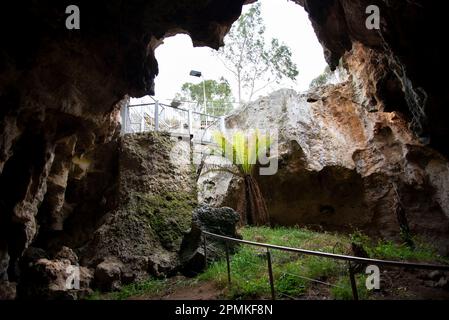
284 20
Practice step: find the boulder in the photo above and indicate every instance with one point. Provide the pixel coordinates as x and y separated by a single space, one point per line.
108 275
7 290
221 221
65 253
57 278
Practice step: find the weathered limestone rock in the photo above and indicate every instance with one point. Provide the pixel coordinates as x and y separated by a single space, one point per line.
7 290
108 275
408 41
57 84
44 277
60 94
156 199
344 168
221 221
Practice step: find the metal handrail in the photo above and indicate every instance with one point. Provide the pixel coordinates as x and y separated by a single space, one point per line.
152 104
349 259
205 114
211 120
176 108
336 256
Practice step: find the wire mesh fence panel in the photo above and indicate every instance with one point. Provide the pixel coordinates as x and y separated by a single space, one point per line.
203 127
140 118
173 120
167 118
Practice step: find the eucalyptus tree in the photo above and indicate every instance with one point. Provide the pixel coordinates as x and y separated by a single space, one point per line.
251 59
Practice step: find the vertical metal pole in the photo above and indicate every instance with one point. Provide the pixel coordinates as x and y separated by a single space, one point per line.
270 274
124 116
142 119
228 263
205 250
353 282
156 116
190 121
204 92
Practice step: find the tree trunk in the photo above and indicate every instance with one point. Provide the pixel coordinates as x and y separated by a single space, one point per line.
256 208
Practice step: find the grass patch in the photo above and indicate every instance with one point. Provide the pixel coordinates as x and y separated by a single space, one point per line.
343 290
249 265
149 287
388 250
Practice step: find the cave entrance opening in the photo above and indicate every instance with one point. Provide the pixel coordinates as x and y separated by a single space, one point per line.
222 87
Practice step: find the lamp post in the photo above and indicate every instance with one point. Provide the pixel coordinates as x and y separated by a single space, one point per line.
198 74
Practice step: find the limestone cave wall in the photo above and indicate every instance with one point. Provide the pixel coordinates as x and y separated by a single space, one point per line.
409 41
61 90
128 217
60 95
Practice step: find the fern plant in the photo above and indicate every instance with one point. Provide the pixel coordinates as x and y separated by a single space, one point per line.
244 151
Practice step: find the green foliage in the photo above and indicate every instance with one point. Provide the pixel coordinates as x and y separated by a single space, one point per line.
218 95
158 209
390 250
383 249
243 150
343 289
249 264
251 59
151 286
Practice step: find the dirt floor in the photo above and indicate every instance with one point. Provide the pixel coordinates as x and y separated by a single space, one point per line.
395 285
412 284
195 291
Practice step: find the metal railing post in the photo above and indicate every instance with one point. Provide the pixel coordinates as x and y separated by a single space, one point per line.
142 120
124 113
228 263
355 294
156 116
270 275
190 121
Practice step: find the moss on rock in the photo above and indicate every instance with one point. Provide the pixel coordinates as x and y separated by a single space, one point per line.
169 214
157 197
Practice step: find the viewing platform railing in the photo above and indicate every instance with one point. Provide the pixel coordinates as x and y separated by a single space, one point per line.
157 116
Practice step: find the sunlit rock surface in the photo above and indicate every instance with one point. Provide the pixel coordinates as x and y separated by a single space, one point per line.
409 41
343 166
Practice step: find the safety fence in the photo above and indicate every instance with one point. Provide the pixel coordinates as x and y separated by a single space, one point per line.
197 126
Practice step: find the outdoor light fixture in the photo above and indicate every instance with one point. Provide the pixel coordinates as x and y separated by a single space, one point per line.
194 73
198 74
